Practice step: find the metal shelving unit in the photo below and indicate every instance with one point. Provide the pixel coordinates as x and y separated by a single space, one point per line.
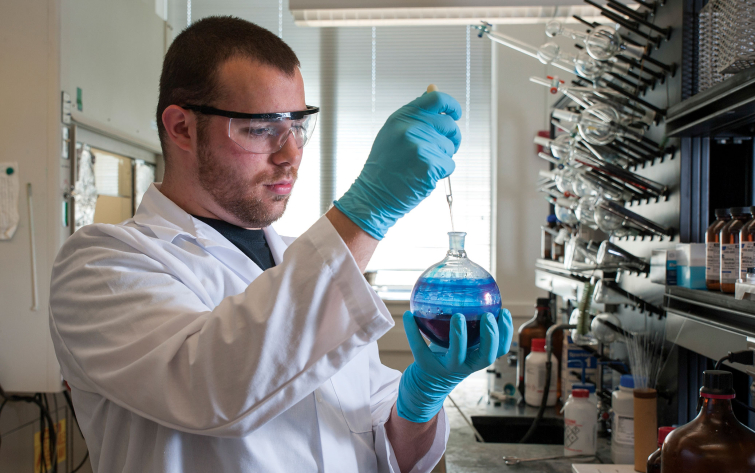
717 310
726 109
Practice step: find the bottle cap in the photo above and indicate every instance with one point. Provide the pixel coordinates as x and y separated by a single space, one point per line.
722 213
538 345
663 433
543 302
717 383
580 393
552 219
627 381
737 211
589 387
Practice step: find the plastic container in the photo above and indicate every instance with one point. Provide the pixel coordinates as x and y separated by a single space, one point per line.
713 250
590 388
580 424
534 376
654 460
536 327
622 438
729 236
454 285
645 425
714 441
690 265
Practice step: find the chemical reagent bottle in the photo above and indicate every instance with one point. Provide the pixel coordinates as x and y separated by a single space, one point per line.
715 440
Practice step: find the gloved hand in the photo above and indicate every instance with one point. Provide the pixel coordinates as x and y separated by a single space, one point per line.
411 153
433 375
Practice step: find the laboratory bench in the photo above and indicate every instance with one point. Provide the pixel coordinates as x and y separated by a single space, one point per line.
465 455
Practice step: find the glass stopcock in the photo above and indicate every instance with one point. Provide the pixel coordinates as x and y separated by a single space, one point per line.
456 285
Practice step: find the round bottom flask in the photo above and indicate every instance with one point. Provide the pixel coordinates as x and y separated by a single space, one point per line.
455 285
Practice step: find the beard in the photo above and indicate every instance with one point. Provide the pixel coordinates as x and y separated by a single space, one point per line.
238 195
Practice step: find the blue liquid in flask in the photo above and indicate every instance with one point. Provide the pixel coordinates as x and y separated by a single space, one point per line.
456 285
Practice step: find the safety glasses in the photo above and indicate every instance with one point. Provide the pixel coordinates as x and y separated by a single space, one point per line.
265 133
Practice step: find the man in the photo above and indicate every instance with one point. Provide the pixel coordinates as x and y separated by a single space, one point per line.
195 339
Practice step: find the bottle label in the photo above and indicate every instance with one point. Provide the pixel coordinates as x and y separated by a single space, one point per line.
713 261
624 430
534 380
578 437
746 258
729 263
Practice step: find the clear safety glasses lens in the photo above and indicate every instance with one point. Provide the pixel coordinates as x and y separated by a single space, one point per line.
265 136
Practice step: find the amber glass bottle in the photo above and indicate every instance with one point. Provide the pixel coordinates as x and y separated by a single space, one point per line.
654 460
713 250
747 247
536 327
714 441
729 236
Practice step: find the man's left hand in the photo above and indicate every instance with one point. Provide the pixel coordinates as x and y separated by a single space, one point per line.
426 382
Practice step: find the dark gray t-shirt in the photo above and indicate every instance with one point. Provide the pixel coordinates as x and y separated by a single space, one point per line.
251 242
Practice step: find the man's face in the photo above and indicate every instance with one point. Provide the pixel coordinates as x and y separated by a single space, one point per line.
249 190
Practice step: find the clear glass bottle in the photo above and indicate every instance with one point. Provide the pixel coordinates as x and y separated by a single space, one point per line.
537 327
454 285
747 247
729 236
714 441
713 250
654 460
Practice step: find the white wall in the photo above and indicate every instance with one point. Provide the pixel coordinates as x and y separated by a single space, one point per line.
113 51
30 135
521 108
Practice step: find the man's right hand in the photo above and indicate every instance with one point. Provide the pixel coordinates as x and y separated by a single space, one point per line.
411 153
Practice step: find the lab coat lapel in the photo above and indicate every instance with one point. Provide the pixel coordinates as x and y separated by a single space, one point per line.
276 244
168 221
226 252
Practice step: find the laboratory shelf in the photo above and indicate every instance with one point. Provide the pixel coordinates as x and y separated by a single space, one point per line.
726 109
554 277
713 309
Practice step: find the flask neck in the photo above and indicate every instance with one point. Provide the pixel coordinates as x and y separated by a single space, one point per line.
456 244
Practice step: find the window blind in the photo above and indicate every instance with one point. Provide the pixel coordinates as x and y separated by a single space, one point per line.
359 76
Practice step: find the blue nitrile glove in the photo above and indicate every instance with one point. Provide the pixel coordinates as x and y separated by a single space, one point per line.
411 153
433 375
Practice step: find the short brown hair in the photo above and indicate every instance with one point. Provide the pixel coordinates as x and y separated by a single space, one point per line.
191 66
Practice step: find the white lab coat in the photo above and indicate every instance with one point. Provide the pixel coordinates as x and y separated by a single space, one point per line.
184 357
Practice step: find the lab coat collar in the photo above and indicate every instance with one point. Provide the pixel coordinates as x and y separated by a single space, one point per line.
167 221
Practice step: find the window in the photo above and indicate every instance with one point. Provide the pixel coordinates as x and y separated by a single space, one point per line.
359 76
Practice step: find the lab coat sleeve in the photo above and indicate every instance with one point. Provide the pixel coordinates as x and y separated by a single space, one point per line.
384 384
130 324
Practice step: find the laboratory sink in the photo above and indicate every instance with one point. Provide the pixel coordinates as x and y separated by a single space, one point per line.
504 429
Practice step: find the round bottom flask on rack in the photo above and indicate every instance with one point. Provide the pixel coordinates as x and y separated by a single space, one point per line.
456 285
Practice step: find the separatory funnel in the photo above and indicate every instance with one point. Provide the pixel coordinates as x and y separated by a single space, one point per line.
455 285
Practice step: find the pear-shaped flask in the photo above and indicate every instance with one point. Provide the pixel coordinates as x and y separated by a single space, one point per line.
454 285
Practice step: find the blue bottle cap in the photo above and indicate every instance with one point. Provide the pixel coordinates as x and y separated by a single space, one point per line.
552 219
627 381
588 386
